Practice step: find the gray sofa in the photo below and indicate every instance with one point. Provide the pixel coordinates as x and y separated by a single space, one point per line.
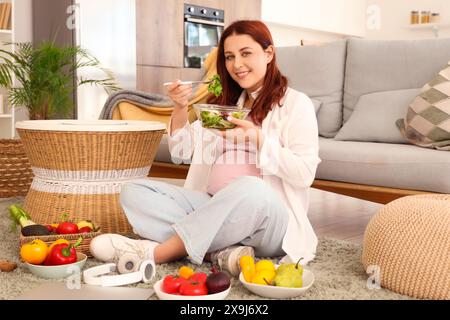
359 89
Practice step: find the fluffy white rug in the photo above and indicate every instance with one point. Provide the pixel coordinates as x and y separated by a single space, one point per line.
337 268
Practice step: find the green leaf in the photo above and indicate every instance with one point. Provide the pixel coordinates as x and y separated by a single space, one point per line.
215 86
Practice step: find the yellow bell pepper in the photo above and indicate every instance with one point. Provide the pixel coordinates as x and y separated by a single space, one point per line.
247 264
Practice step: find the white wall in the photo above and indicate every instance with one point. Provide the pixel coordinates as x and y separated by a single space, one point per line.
107 29
395 17
321 20
292 36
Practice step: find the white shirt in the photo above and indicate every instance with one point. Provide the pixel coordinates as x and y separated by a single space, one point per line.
288 161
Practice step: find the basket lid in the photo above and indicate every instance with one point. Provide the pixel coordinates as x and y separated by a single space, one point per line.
91 125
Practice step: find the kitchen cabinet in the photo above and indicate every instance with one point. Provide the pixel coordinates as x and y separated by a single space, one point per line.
159 33
216 4
151 78
239 10
160 38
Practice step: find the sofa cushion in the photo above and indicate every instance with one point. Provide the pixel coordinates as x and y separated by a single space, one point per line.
317 104
427 121
401 166
318 71
375 115
380 65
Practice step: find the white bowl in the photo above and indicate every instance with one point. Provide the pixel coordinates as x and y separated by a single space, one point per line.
58 272
275 292
168 296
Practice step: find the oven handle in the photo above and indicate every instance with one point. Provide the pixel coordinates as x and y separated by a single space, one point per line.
211 23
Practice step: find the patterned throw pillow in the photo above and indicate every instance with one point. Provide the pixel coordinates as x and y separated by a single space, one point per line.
427 122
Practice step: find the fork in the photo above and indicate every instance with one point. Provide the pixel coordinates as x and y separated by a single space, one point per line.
188 82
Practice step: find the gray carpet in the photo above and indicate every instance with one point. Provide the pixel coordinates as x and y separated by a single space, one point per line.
337 269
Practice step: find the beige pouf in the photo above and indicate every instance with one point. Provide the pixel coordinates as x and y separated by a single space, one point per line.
409 239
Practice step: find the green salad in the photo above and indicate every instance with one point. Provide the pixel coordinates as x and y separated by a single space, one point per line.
214 119
215 86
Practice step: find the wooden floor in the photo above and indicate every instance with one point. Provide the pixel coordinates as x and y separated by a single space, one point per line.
341 217
333 215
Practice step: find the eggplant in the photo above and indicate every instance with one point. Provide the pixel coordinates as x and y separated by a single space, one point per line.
35 230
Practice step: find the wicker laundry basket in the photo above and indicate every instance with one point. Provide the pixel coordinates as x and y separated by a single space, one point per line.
15 170
80 166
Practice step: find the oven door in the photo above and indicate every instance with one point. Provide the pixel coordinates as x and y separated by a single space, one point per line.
200 37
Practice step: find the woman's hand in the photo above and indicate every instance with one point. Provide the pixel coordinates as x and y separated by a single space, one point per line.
245 131
179 94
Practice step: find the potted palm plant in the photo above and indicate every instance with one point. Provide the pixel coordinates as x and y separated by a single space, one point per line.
46 77
42 79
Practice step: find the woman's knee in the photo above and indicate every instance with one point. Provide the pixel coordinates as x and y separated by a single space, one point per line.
132 192
128 194
135 197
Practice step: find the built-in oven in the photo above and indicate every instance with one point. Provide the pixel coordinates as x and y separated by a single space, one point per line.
202 30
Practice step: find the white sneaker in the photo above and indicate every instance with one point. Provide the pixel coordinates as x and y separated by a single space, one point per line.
111 247
228 258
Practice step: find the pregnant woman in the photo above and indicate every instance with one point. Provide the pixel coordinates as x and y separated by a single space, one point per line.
246 192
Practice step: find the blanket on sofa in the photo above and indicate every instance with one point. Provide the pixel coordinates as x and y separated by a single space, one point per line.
142 99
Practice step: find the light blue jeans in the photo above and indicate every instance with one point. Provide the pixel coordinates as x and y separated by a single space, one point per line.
247 211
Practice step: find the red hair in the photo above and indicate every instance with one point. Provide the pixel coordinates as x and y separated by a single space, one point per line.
274 85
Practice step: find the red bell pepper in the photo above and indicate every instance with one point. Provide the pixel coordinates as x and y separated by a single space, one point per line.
62 254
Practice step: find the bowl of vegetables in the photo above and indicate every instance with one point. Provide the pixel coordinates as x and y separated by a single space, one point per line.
58 271
191 285
213 116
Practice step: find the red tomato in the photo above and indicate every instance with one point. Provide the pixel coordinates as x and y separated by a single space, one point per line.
171 284
84 230
67 227
199 277
193 288
50 228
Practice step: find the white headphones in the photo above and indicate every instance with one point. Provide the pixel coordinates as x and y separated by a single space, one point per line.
131 270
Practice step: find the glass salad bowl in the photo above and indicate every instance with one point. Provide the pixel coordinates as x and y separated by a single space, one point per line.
213 116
